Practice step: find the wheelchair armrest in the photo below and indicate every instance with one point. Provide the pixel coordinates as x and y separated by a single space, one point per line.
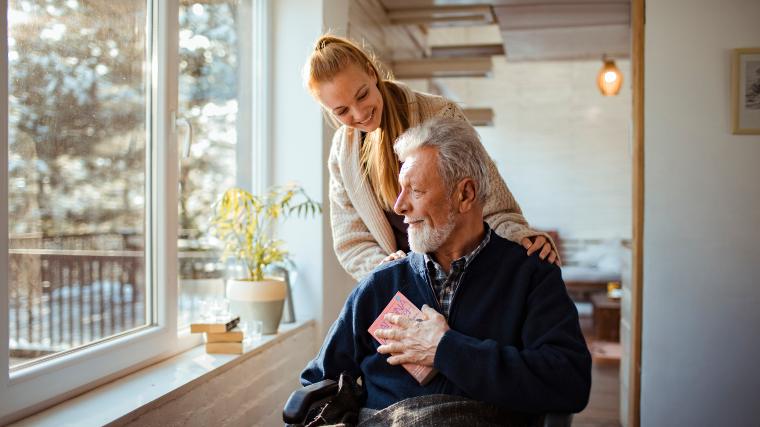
300 401
558 420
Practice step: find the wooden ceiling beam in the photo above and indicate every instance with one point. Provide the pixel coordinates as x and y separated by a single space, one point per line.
406 4
442 67
459 51
452 15
542 16
479 116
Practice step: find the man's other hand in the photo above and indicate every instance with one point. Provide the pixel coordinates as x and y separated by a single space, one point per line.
413 341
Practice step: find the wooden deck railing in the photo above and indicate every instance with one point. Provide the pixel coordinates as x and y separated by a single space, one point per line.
61 298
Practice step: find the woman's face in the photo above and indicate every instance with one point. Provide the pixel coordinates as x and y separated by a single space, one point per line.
353 98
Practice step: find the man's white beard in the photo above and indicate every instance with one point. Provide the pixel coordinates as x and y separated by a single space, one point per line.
427 239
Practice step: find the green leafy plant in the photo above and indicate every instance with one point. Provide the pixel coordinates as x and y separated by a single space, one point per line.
243 221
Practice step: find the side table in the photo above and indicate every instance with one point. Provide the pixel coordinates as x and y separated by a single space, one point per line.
606 317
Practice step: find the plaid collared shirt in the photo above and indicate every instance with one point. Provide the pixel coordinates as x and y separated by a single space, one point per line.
445 285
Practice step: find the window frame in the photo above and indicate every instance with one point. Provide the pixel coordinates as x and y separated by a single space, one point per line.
253 160
32 388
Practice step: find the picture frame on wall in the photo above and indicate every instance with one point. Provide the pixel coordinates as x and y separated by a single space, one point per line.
745 84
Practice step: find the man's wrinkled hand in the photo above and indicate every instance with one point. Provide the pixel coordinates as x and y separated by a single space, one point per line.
413 341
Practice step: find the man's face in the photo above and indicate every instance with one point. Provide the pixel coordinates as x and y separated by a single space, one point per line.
425 202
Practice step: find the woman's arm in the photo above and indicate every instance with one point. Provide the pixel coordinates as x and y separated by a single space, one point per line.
356 248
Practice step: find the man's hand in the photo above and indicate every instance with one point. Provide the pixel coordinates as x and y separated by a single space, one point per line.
540 242
413 341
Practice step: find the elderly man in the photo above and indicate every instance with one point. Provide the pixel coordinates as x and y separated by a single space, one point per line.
497 324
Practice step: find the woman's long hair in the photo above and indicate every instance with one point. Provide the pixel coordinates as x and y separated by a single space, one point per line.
332 55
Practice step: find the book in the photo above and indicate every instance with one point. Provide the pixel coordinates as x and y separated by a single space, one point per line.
224 347
399 304
218 325
234 335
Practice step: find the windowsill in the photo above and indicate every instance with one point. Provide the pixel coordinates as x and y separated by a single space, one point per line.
149 387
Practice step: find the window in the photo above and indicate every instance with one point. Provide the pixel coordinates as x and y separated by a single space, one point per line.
77 145
111 105
208 108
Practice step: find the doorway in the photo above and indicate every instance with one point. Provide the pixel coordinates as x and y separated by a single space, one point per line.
457 67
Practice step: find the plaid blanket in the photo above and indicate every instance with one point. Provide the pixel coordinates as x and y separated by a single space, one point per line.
447 411
433 410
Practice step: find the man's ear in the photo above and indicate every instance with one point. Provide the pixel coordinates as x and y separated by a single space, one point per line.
466 194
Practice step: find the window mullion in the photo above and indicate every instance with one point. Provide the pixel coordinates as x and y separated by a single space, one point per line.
165 171
4 274
254 130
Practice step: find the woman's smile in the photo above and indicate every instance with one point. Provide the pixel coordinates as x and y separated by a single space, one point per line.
368 119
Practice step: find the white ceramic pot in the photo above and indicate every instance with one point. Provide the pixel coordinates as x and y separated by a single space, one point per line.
258 300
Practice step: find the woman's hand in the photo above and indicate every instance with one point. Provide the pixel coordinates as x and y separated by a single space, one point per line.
394 256
540 242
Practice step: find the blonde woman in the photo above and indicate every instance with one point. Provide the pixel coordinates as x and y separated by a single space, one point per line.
372 112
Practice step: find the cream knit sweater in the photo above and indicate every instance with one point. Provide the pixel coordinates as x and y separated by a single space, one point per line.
362 236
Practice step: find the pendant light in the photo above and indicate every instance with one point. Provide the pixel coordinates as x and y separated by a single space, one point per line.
609 78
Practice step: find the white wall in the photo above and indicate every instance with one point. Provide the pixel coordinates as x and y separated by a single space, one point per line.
563 149
300 144
297 141
702 221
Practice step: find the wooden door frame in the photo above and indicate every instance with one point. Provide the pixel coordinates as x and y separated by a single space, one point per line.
638 19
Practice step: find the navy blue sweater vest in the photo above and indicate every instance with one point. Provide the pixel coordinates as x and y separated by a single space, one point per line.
514 341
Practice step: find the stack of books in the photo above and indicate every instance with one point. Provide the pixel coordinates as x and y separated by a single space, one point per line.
222 335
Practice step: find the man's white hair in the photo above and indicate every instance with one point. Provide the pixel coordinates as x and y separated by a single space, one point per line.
460 152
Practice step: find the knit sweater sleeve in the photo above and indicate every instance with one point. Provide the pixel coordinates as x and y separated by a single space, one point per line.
356 248
549 372
501 210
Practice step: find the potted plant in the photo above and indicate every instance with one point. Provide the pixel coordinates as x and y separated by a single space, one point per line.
243 223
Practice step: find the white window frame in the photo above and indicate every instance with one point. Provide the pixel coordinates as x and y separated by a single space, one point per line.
254 95
27 390
254 131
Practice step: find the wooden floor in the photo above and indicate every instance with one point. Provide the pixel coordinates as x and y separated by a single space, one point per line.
603 409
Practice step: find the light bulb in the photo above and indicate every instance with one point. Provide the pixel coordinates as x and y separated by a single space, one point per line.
609 78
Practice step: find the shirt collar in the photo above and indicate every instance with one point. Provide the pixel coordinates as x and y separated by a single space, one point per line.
463 262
